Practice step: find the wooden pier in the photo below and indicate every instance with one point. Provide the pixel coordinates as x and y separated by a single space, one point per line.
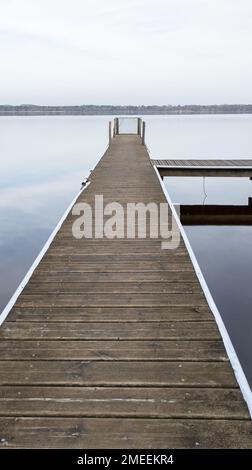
213 167
112 344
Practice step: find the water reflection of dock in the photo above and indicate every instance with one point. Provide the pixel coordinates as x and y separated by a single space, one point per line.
214 214
112 343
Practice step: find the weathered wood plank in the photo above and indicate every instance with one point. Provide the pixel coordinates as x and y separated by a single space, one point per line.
162 374
128 402
67 265
118 276
110 314
111 287
100 331
110 247
114 246
85 433
122 258
110 299
208 350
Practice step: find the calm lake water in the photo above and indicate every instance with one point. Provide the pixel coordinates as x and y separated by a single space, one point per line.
224 254
43 161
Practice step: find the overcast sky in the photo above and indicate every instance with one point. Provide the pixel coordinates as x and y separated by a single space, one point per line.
125 51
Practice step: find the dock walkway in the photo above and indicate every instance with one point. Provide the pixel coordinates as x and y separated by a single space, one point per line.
112 344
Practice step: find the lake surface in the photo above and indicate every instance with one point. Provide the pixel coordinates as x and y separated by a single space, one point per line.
43 161
224 254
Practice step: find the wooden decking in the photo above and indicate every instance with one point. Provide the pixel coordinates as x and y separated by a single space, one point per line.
112 344
214 167
205 163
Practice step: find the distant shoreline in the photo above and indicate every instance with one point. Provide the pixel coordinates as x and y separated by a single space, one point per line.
103 110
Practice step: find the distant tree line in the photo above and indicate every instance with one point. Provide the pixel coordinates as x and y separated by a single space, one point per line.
90 110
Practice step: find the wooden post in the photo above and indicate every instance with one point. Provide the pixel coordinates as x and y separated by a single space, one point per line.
143 133
139 120
114 130
110 132
116 126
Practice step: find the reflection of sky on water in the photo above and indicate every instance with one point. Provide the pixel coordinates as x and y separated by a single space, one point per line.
209 190
42 164
34 149
17 253
209 136
32 197
225 257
